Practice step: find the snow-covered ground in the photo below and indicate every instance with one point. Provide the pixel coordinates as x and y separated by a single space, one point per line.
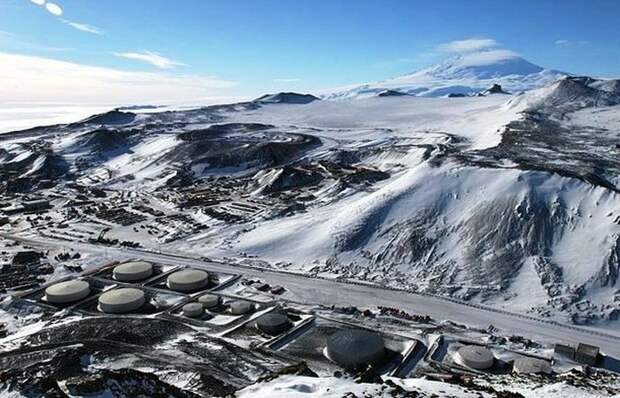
302 386
474 197
479 119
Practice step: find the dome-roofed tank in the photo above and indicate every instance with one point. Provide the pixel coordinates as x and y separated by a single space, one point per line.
351 348
67 292
121 301
241 307
209 300
133 271
273 323
188 280
193 310
475 357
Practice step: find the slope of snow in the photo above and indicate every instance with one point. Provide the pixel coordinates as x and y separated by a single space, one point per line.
570 94
466 74
529 236
600 118
302 386
479 119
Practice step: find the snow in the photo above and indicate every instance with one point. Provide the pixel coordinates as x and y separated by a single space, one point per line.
556 390
343 225
477 119
599 117
141 160
302 386
528 281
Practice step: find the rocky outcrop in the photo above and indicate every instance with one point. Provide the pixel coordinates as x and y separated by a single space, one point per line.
287 98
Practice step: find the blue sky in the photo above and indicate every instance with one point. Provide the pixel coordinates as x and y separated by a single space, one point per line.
245 48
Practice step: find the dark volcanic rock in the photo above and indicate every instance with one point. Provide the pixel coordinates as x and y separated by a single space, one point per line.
244 145
219 130
102 140
124 383
538 143
121 330
574 93
300 369
494 89
343 157
391 93
112 117
287 98
27 257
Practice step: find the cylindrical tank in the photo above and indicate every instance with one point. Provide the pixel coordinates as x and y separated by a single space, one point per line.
188 280
193 310
273 323
241 307
121 301
209 300
133 271
67 292
351 348
475 357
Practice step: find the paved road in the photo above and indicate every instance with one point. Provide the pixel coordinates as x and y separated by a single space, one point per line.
327 292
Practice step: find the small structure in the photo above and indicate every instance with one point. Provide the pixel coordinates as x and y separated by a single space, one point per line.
587 354
474 357
263 287
36 205
564 350
528 365
277 290
241 307
121 301
209 300
67 292
193 310
133 271
188 280
352 349
273 324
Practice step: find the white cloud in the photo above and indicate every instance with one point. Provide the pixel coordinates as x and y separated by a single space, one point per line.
38 79
38 2
468 45
54 9
83 27
566 43
289 80
487 57
152 58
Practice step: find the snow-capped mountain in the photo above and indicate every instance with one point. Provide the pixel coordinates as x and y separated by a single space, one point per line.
464 74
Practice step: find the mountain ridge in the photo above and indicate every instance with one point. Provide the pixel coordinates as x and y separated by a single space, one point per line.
464 74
